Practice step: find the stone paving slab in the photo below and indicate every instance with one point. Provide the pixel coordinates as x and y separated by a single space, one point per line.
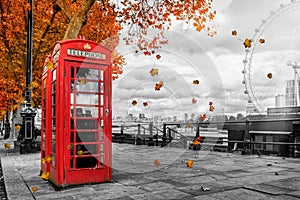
228 176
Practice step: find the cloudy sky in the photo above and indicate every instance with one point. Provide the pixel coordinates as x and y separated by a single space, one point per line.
217 62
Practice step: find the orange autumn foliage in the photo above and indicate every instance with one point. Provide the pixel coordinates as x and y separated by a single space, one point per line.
100 21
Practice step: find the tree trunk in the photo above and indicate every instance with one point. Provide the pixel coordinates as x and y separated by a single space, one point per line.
77 20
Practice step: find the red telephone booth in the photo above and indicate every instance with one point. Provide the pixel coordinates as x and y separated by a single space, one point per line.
76 114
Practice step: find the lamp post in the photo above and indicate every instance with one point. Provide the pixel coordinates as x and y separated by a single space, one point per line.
26 134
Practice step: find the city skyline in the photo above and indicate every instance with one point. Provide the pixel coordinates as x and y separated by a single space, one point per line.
216 62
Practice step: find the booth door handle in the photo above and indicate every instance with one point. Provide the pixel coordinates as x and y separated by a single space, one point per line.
107 112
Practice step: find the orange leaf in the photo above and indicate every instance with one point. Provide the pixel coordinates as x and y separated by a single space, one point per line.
153 72
203 117
158 85
34 189
145 104
261 41
247 43
194 101
196 82
156 163
211 108
134 102
210 103
158 57
234 32
269 75
189 163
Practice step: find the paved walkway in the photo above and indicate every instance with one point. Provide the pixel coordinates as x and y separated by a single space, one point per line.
214 175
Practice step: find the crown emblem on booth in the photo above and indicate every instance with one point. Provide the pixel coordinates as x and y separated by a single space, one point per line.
87 46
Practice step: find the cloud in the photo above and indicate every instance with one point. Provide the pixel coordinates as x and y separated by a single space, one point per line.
216 62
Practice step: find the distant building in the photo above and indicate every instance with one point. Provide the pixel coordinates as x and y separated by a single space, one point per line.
186 117
279 101
192 117
290 96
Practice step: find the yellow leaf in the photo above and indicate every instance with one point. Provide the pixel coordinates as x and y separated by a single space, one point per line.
247 43
7 146
45 175
34 189
50 65
189 163
48 159
154 72
80 152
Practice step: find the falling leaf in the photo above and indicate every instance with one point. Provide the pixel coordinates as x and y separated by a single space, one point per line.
262 41
50 65
153 72
83 81
158 57
247 43
18 127
69 146
43 161
145 104
34 189
7 146
269 75
16 107
134 102
156 163
211 108
203 117
196 82
80 152
48 159
189 163
194 101
234 32
158 85
45 175
196 142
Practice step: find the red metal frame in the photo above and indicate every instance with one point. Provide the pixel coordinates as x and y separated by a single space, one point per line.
76 139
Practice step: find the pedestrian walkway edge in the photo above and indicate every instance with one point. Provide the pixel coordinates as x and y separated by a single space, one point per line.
15 186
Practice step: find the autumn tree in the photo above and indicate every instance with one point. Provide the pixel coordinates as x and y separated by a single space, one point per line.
100 21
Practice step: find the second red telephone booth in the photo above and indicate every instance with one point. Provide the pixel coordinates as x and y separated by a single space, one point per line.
76 119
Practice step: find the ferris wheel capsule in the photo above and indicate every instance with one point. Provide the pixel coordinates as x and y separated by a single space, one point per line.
245 61
243 82
246 91
243 71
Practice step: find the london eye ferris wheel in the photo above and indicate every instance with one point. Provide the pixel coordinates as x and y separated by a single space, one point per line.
248 68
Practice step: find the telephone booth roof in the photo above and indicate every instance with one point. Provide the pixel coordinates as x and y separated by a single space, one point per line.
81 50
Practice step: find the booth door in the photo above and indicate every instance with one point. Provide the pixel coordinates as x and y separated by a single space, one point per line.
89 138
